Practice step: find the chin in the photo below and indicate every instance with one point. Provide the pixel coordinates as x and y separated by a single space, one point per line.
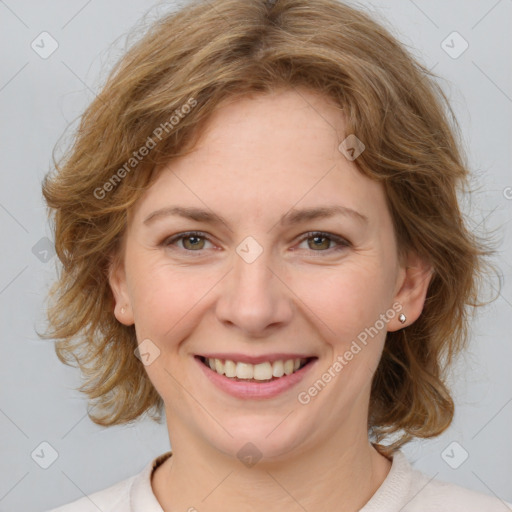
268 439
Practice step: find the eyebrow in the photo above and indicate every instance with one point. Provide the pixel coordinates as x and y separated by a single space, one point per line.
293 216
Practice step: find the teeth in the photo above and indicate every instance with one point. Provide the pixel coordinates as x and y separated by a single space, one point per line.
260 371
263 371
219 366
278 368
244 371
229 368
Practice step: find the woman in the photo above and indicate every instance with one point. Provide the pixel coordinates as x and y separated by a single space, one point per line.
260 237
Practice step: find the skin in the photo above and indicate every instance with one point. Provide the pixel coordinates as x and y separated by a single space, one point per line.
264 155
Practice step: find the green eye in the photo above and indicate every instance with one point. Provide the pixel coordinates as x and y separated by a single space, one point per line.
195 242
321 241
191 241
317 241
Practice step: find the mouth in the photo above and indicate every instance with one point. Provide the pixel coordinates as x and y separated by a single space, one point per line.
273 369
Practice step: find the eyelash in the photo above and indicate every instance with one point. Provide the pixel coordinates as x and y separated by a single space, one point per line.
342 242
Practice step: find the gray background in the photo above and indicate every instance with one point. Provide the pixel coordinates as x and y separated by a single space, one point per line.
40 97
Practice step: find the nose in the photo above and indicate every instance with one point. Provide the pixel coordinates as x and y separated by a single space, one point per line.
253 297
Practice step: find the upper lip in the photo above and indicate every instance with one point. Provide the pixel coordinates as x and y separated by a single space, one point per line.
244 358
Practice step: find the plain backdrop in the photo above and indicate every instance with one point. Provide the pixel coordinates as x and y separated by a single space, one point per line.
40 97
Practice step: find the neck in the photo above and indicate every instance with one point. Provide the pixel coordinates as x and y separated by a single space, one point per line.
342 474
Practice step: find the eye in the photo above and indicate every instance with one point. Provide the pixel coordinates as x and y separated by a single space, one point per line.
192 241
320 241
317 241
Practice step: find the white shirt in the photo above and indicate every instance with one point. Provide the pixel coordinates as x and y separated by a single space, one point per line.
405 489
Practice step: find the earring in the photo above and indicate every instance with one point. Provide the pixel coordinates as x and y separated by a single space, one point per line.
123 309
402 318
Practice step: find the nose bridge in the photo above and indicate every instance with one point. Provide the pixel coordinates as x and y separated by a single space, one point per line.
253 297
251 271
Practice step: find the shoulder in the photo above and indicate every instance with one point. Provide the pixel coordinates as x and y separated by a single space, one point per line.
112 499
427 494
133 494
406 489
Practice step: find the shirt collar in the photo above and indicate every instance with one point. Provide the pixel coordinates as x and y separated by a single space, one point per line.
393 493
142 497
389 497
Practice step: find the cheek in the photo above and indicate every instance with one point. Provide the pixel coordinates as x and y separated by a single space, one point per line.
166 299
345 300
167 308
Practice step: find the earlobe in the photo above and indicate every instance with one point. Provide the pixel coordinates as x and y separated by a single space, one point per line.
413 285
123 313
117 281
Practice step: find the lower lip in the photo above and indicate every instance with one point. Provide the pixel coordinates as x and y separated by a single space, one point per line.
255 390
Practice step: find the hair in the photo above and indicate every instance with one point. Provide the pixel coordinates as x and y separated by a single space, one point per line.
160 95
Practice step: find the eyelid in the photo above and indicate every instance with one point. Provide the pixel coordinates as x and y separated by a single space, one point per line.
341 242
185 234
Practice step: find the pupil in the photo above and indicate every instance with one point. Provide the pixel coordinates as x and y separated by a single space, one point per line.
195 240
318 239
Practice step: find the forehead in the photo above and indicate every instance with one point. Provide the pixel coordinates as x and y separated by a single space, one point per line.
266 152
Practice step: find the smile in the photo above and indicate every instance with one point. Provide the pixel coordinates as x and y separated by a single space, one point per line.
260 379
263 372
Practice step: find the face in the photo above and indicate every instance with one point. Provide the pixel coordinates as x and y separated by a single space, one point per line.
265 245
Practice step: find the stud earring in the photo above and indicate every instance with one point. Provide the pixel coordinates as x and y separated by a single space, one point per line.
123 309
402 318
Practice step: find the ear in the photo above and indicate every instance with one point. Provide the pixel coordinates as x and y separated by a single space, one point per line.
117 281
412 284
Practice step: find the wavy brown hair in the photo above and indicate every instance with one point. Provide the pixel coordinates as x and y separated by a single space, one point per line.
206 53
